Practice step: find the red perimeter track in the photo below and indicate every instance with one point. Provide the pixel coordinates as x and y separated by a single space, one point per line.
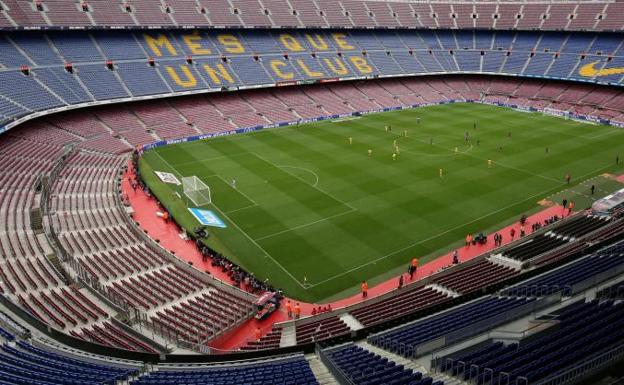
145 209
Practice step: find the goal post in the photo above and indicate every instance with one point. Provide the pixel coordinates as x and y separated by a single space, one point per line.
196 190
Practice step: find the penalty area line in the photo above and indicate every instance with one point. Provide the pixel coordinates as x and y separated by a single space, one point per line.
266 253
304 181
305 287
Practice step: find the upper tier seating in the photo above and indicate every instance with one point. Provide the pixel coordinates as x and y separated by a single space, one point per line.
584 330
583 15
405 340
66 69
360 366
563 279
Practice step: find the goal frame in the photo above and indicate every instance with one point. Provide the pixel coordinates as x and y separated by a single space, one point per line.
196 190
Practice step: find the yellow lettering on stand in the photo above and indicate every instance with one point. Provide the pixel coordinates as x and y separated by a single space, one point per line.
193 42
336 65
277 65
189 82
219 73
361 64
157 43
231 43
317 42
291 43
308 71
341 41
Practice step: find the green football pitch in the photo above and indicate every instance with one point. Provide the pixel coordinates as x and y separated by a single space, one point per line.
316 215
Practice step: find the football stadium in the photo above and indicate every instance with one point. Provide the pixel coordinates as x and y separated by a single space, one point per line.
299 192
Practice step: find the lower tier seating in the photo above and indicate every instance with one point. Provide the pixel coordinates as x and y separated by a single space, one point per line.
287 371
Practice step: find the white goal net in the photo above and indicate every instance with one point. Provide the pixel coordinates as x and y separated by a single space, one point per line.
196 190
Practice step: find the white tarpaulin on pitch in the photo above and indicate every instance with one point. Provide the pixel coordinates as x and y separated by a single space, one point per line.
167 177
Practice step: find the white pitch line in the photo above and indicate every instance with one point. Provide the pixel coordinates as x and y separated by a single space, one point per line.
304 169
427 239
242 231
204 160
443 233
305 225
304 181
241 209
260 247
238 191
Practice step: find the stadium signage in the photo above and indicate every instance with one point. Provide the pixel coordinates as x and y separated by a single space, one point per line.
207 217
358 113
167 177
212 72
590 70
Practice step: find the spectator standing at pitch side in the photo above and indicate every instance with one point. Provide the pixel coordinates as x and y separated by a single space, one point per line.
412 268
455 257
401 281
512 232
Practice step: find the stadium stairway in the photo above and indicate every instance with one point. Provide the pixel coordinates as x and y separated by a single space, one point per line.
323 376
443 290
351 321
411 364
289 335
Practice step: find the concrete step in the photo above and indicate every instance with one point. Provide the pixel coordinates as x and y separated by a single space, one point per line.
407 363
443 290
322 374
351 322
411 364
289 335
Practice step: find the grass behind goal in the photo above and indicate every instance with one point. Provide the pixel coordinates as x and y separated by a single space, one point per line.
316 215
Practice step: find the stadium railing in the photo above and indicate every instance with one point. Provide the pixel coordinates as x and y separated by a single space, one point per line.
582 370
